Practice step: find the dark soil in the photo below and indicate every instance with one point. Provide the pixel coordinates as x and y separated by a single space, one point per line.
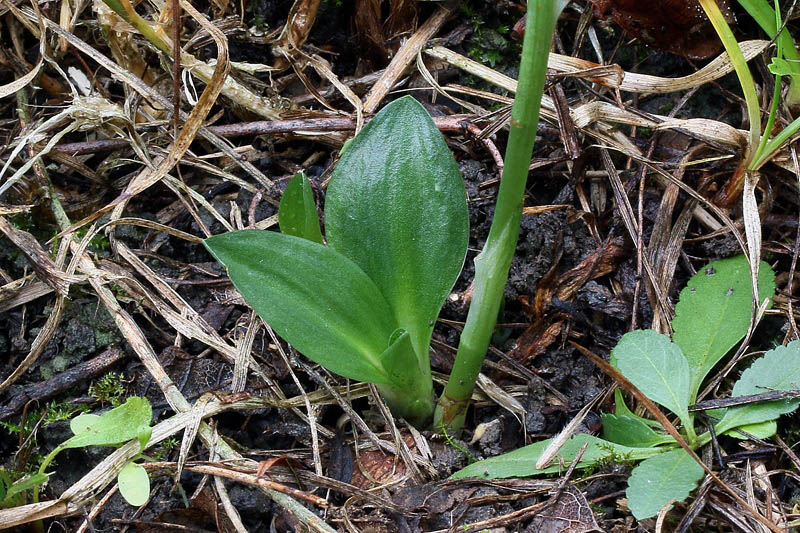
555 382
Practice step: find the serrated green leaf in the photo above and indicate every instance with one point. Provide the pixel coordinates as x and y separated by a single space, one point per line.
312 296
778 369
656 481
113 427
134 484
522 462
658 368
632 431
297 213
713 313
396 206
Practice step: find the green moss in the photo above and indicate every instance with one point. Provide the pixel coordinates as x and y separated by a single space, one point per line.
109 389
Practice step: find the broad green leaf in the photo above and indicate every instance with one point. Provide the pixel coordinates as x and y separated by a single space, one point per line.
113 427
134 484
713 313
297 213
522 462
312 296
396 206
632 431
657 367
779 369
656 481
761 430
25 484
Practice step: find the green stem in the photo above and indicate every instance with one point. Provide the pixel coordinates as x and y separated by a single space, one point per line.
124 9
742 71
494 261
776 95
764 15
45 464
776 143
414 403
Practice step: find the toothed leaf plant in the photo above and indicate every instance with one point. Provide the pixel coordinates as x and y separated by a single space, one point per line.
712 316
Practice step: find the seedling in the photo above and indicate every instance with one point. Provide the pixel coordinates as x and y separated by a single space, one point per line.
396 224
129 421
712 316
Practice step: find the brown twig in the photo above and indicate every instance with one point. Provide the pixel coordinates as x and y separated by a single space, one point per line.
453 123
61 382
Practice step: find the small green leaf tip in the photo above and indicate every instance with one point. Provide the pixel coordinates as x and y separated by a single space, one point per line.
297 213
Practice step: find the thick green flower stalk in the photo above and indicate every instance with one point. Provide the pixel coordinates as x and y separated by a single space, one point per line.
493 263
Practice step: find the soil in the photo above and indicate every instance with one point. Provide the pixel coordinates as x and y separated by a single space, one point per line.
547 375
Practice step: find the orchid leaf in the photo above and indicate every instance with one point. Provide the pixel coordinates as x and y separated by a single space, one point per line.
297 213
312 296
396 206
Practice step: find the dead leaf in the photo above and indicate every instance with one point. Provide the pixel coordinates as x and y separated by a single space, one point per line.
677 26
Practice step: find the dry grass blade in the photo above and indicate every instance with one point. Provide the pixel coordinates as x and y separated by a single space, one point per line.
615 78
193 122
48 330
406 55
243 477
595 111
39 258
298 25
148 92
19 292
105 472
632 226
23 81
569 430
